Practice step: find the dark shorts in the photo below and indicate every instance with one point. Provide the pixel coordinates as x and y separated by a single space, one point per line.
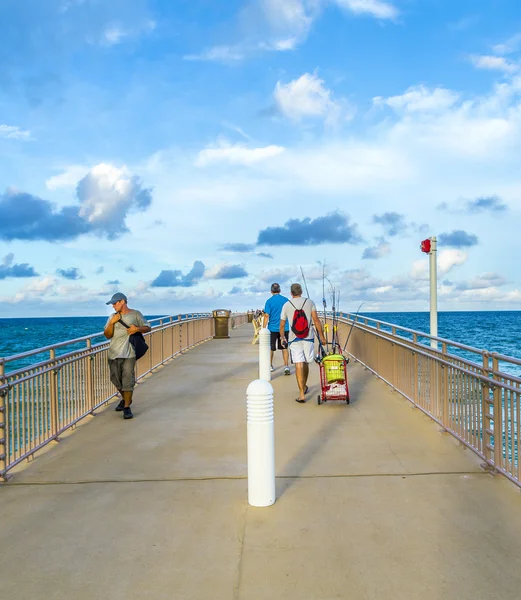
122 373
275 340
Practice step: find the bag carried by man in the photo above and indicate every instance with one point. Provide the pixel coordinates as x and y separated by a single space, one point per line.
137 341
300 323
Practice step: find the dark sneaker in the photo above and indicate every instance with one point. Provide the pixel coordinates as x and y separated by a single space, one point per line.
120 406
127 413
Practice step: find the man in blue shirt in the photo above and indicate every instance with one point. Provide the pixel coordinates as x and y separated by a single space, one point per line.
272 311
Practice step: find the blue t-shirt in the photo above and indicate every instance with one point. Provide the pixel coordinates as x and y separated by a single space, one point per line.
273 308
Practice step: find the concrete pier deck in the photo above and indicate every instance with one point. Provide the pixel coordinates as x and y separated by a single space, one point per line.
373 500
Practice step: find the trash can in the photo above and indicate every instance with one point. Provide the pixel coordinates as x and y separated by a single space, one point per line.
250 316
221 320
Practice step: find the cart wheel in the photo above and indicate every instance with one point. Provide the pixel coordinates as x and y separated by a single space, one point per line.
319 400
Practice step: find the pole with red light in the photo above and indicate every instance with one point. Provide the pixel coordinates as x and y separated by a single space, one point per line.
429 247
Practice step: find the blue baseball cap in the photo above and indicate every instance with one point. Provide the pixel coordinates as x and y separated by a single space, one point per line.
117 297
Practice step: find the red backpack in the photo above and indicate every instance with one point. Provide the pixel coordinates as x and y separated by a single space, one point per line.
300 323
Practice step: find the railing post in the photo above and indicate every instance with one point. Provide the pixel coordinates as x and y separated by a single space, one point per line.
3 427
90 377
53 389
498 418
445 388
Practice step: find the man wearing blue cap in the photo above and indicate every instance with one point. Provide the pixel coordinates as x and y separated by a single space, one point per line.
122 357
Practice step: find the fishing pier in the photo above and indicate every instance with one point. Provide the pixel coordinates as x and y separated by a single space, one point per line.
410 491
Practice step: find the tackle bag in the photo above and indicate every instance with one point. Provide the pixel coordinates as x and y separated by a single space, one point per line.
300 323
137 341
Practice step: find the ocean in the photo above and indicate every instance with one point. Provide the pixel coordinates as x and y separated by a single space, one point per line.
495 331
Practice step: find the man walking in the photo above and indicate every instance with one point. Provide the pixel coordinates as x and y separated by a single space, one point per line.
272 311
301 334
122 357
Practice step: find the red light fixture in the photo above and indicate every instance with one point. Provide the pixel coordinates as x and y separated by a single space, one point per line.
425 246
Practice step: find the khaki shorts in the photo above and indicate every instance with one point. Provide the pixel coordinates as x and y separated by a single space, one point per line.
122 373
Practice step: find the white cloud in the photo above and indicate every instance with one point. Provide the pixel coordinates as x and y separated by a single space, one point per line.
115 33
107 194
376 8
306 97
420 99
511 45
12 132
447 259
282 25
220 54
69 178
494 63
236 154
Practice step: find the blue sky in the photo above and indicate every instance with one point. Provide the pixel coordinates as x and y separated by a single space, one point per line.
192 152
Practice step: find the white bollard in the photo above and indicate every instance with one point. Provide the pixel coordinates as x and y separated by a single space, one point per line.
261 444
265 354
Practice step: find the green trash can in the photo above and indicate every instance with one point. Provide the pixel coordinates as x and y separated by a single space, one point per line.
250 316
221 320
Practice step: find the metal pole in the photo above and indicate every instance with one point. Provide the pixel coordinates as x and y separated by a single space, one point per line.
264 354
261 443
434 292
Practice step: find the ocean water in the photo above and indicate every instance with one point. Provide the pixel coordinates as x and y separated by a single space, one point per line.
22 335
495 331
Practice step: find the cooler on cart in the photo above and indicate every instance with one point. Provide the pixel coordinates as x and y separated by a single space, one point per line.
333 378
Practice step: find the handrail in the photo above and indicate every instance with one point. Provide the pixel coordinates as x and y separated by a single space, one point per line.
477 402
38 402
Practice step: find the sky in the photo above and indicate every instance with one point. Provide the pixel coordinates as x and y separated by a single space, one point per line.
189 153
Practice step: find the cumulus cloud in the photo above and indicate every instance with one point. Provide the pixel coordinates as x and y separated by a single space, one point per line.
392 222
379 251
282 25
238 247
491 203
281 275
379 9
419 99
106 196
12 132
175 278
9 269
68 178
236 154
226 271
457 239
486 280
331 229
71 273
308 97
448 259
511 45
494 63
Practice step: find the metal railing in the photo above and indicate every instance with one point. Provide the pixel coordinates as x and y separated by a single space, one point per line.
40 401
466 390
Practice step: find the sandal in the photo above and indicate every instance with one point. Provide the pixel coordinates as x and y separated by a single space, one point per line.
306 390
299 400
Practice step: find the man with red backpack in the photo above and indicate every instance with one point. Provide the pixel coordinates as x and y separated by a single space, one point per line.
301 314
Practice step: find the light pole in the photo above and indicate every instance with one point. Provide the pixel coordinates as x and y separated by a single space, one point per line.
429 247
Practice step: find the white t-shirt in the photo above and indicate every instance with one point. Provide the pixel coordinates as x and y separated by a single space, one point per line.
287 314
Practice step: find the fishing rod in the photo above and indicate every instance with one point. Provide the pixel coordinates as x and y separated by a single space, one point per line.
324 296
352 325
322 351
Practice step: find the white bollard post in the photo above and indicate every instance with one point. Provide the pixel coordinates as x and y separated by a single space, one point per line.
265 354
261 444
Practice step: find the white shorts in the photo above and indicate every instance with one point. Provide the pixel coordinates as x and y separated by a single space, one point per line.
302 351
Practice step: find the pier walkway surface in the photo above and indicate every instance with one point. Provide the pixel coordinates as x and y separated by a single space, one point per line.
373 500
